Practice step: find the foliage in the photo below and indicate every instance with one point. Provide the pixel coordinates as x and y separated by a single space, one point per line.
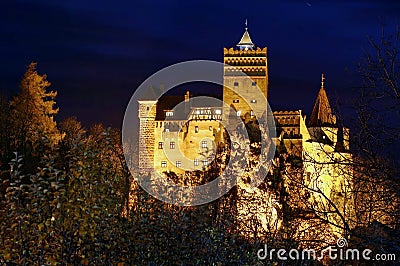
32 112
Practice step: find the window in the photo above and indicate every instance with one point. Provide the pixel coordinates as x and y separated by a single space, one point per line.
238 113
169 113
148 108
167 130
236 100
235 83
253 101
196 129
164 164
196 162
218 111
205 162
210 128
251 113
160 145
178 163
172 145
254 83
204 144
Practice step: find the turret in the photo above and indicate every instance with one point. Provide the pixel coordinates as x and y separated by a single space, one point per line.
147 115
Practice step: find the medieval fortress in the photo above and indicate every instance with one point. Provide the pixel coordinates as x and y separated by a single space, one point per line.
181 139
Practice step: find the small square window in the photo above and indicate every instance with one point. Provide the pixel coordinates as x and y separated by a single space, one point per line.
196 129
254 83
196 162
161 145
218 111
148 108
169 113
235 83
172 145
204 144
253 101
236 100
238 113
205 162
210 128
164 164
178 163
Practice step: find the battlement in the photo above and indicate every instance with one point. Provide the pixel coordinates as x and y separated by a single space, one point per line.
297 112
252 62
257 52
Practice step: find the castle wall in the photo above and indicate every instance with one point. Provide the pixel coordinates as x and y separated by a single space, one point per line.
328 173
197 140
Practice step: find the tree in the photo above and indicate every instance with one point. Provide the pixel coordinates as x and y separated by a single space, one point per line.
32 113
4 130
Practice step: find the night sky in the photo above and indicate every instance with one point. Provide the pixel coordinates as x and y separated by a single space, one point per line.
96 53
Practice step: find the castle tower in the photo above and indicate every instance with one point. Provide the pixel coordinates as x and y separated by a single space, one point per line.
251 60
147 115
328 163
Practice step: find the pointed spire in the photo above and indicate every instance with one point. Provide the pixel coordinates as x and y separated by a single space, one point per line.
322 114
245 43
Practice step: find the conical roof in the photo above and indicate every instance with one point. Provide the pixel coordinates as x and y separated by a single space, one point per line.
322 114
246 40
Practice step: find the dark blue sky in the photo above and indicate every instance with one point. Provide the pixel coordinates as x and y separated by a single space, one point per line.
96 53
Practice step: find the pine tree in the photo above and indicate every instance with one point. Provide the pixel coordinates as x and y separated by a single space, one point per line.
33 112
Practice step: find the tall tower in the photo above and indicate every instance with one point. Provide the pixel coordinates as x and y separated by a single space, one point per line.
252 61
147 115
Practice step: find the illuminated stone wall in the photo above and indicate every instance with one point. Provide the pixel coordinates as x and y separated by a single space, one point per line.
193 140
238 90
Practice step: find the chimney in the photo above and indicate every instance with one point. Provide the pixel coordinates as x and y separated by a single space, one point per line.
187 107
187 96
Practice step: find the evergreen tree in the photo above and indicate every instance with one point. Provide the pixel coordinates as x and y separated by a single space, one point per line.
33 113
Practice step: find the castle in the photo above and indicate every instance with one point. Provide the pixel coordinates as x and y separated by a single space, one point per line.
179 135
193 129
